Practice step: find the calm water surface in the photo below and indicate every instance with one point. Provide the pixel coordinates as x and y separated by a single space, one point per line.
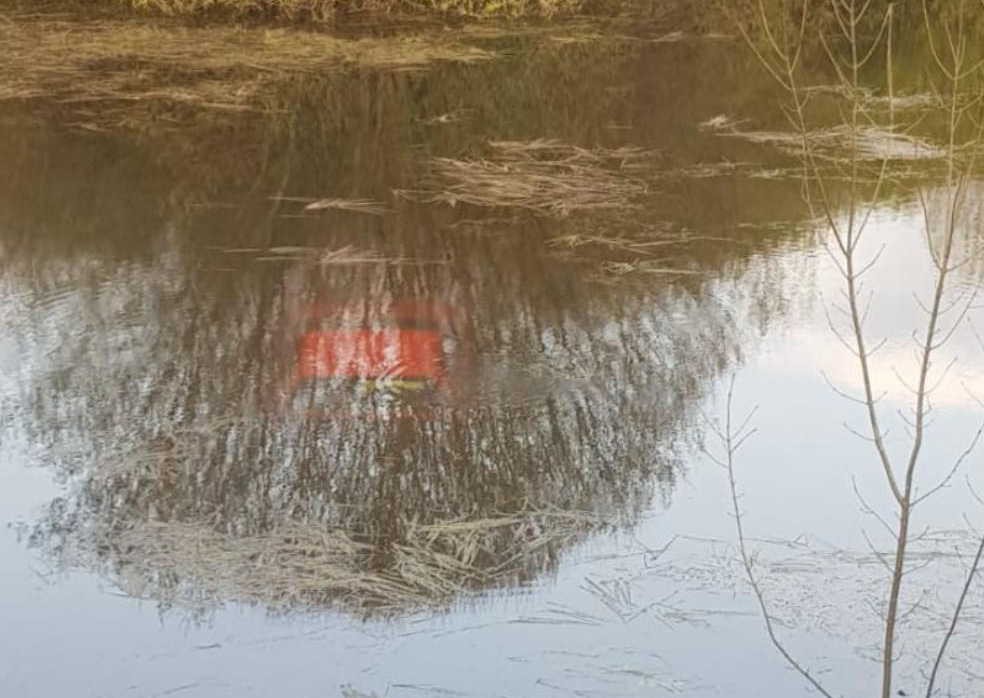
196 372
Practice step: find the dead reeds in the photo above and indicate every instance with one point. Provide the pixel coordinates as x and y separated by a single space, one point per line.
324 10
868 143
347 255
319 10
546 177
120 66
651 250
296 565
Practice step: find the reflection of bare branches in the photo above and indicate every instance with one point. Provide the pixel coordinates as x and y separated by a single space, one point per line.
537 430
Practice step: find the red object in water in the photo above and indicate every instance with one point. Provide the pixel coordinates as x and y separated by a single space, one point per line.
400 344
405 347
370 354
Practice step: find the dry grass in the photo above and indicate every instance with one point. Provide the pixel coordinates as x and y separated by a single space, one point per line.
347 255
654 250
366 206
303 566
835 593
498 8
114 68
326 9
543 176
291 9
872 143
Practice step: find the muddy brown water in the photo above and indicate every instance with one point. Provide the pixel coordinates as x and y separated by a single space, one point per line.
172 457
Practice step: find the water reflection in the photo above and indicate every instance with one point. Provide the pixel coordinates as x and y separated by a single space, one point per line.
250 401
394 406
151 384
393 409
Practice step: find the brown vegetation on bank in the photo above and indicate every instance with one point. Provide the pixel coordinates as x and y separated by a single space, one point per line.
328 10
118 65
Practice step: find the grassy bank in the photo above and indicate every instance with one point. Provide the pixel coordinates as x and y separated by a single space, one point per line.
325 10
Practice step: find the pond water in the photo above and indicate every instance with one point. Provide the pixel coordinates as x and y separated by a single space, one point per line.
398 386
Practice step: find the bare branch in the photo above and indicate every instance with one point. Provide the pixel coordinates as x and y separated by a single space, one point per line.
955 619
747 559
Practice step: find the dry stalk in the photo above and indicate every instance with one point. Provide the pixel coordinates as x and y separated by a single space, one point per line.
656 250
544 176
296 565
367 206
347 255
124 66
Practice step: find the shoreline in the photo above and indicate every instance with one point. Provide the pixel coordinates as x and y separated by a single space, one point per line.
329 13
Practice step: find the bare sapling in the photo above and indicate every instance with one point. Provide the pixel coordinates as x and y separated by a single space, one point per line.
843 192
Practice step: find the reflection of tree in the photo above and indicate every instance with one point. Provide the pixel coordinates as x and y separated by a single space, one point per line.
148 382
579 396
153 347
969 236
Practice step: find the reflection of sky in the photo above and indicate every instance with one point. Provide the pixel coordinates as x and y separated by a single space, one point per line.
896 317
803 418
794 475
